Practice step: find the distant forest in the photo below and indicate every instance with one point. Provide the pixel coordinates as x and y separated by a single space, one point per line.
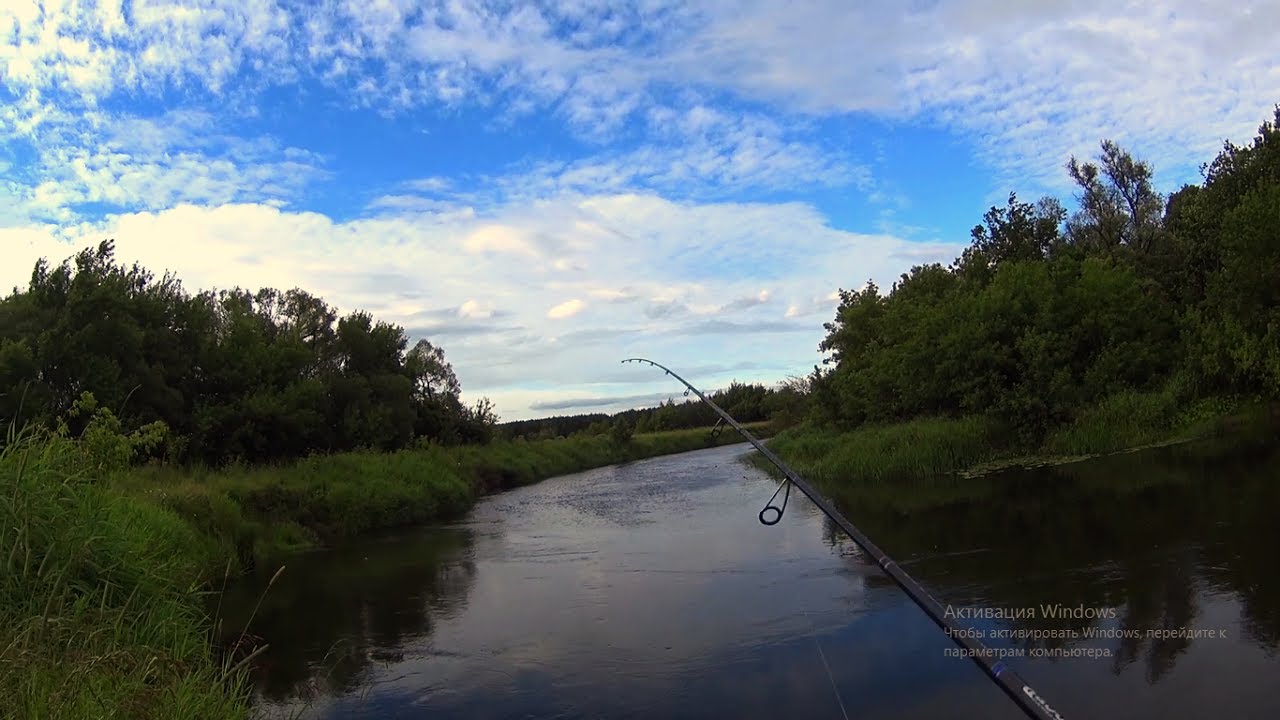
784 404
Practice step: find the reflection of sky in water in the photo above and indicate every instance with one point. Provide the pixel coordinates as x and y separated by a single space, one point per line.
651 590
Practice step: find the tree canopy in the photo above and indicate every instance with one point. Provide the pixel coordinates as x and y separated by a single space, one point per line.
233 374
1044 313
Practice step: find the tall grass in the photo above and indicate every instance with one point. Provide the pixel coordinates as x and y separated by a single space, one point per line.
929 447
1132 419
99 608
1124 420
918 448
254 516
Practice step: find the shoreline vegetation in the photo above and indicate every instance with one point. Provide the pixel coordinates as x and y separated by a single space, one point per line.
970 448
101 599
254 517
173 440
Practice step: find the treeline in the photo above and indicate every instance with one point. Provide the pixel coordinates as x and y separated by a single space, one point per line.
782 405
1045 313
549 427
224 375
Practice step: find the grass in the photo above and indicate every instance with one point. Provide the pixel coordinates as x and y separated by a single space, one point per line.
1133 419
255 516
873 454
930 447
100 614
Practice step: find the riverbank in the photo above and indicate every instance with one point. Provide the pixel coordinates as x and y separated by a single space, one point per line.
253 517
929 447
100 600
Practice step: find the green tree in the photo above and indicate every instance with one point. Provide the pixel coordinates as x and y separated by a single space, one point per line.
1118 206
620 432
232 374
1018 232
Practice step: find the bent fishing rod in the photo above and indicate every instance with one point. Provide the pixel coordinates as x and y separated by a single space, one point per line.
1009 681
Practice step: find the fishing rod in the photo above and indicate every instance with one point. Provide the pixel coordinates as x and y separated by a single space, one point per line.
1009 681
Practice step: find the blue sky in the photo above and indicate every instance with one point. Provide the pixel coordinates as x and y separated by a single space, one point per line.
546 188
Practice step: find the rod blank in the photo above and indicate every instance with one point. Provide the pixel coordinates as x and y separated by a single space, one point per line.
1009 681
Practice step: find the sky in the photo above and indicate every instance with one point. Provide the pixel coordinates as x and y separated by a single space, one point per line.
546 188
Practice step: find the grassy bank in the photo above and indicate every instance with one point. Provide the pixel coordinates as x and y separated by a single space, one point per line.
928 447
99 612
254 516
923 447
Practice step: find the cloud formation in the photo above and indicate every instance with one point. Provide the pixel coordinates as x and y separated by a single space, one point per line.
1025 81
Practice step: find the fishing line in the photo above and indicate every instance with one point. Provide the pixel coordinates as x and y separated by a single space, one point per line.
1009 681
825 665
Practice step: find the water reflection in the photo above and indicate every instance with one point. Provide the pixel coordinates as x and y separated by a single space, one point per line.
1158 535
651 590
332 617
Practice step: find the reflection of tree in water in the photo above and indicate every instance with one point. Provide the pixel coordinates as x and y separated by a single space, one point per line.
1239 552
1140 532
1161 596
334 616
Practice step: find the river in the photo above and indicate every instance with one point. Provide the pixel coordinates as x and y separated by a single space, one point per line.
651 590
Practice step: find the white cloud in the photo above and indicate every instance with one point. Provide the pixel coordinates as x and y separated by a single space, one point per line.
130 162
498 239
1029 84
815 304
613 294
566 309
430 184
1028 81
94 49
474 310
420 205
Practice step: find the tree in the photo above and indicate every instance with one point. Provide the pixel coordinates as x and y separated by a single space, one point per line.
478 422
432 377
854 328
1229 229
620 432
1118 206
1016 232
234 374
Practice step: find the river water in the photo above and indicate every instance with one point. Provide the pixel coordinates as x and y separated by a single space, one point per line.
651 590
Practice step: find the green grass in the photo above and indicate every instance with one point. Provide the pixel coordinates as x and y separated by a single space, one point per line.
1132 419
1125 420
919 448
100 614
930 447
255 516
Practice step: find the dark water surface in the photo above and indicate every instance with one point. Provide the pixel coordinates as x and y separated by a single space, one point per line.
651 590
